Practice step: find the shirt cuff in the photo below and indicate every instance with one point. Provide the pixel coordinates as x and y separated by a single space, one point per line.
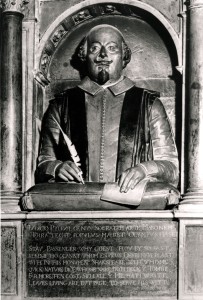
51 167
150 168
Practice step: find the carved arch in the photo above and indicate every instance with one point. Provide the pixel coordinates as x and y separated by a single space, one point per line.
86 10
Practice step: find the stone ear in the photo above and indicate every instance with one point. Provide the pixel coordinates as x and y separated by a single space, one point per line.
126 54
82 51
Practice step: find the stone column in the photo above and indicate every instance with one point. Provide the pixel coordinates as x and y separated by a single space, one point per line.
11 96
193 198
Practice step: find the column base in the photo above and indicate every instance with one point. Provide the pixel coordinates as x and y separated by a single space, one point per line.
10 201
192 202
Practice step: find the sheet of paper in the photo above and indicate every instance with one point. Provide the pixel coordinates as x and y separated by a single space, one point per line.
111 193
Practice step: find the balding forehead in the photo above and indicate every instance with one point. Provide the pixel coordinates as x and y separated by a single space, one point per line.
105 33
104 27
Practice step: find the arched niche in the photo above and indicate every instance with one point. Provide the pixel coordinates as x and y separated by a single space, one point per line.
155 50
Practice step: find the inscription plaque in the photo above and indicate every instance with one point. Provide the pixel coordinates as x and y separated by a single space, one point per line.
101 258
194 259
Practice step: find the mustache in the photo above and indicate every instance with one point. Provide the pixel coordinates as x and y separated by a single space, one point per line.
103 62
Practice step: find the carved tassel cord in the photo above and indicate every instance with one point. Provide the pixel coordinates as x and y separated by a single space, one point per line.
71 148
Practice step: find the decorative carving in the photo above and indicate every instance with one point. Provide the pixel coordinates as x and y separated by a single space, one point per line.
109 8
41 78
44 62
96 10
58 35
68 24
13 5
81 16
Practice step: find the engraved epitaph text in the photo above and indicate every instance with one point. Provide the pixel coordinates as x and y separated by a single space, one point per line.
101 258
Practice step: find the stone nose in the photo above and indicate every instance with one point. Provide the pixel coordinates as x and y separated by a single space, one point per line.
102 52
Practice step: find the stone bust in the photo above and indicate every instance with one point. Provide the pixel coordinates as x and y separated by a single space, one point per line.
121 132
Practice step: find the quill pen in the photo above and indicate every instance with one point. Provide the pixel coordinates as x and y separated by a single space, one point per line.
71 148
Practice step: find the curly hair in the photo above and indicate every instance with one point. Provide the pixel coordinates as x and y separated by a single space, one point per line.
82 50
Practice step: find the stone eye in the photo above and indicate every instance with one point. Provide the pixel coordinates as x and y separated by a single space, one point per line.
94 49
112 49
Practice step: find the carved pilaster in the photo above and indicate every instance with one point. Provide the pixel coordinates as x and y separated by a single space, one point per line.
193 197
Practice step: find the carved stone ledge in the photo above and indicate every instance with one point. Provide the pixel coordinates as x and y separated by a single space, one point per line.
13 5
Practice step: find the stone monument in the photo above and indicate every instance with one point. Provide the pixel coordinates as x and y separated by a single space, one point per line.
119 251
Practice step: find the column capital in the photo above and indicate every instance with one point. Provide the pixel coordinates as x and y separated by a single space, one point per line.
194 3
13 5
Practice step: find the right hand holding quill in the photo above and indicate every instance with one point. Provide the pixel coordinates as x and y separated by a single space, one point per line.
68 171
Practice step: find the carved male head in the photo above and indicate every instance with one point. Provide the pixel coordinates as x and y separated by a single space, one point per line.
105 52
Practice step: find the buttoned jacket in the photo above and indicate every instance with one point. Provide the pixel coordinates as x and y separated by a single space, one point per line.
145 136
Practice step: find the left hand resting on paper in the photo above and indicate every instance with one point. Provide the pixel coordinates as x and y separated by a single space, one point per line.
130 177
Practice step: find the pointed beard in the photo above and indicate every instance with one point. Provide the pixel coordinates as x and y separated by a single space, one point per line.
103 76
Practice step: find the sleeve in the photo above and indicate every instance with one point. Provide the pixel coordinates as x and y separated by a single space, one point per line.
165 165
47 161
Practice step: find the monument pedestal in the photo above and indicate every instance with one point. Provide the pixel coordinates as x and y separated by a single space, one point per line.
102 255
